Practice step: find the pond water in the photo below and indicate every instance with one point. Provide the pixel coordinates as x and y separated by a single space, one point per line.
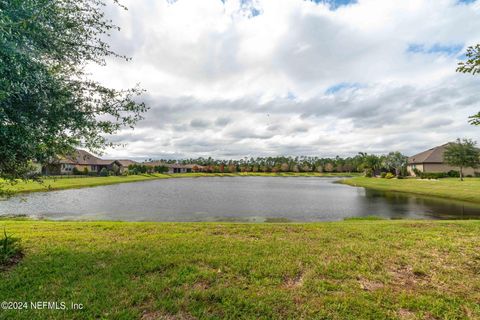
250 199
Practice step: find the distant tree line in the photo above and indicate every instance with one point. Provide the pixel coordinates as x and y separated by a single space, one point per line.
370 164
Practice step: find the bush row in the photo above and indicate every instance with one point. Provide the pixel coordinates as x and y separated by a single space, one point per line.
436 175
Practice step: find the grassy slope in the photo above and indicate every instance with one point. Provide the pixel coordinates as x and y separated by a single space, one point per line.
71 183
341 270
451 188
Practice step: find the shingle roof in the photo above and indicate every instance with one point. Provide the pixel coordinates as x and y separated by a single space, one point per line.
434 155
154 163
126 162
82 157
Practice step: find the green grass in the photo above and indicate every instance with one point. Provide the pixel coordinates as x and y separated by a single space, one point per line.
449 188
340 270
72 183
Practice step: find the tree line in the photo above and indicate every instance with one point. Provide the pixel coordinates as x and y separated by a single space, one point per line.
394 162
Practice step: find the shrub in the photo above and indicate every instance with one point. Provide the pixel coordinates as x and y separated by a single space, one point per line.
75 171
9 250
417 172
400 177
383 174
115 170
137 168
85 171
368 173
103 172
389 175
454 174
433 175
161 169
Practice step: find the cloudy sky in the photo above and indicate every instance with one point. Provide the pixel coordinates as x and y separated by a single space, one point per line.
239 78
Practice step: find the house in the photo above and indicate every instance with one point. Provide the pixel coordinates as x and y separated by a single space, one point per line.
175 167
124 164
184 168
83 161
432 161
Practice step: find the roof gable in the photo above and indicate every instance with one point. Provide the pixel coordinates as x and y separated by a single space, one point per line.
434 155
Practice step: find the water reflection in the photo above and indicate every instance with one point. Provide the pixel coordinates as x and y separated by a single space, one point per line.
244 199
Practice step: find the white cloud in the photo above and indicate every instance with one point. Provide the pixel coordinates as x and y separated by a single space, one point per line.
245 78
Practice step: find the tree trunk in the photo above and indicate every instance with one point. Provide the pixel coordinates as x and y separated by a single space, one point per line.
461 174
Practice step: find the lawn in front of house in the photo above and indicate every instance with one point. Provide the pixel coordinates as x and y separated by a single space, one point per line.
450 188
342 270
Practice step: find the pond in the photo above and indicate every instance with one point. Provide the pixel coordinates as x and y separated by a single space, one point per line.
249 199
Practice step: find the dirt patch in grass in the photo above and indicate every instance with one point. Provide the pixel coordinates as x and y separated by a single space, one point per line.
159 315
369 285
408 278
419 225
405 314
13 261
294 282
201 286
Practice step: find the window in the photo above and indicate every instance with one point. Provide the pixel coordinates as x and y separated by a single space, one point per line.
67 167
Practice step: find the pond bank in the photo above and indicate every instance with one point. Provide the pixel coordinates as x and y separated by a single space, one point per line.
448 188
342 270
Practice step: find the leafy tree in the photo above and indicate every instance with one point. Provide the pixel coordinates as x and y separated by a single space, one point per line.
115 169
48 104
137 169
160 169
369 163
103 172
328 167
395 161
462 154
472 65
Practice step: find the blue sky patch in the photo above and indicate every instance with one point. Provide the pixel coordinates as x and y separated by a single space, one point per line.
291 96
341 86
435 49
250 7
334 4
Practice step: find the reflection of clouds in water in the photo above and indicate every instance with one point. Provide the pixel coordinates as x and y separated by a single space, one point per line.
242 199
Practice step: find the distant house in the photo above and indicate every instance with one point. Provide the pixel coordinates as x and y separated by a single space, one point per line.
175 167
125 163
184 168
82 160
432 160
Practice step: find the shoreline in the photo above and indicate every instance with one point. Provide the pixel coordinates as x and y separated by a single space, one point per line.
445 188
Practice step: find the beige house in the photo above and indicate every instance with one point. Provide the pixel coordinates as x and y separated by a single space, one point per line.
176 167
432 161
81 160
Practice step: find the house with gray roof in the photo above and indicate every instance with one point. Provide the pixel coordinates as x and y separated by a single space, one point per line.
83 161
432 160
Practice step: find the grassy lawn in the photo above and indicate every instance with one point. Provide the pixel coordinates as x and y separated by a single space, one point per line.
341 270
451 188
71 183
